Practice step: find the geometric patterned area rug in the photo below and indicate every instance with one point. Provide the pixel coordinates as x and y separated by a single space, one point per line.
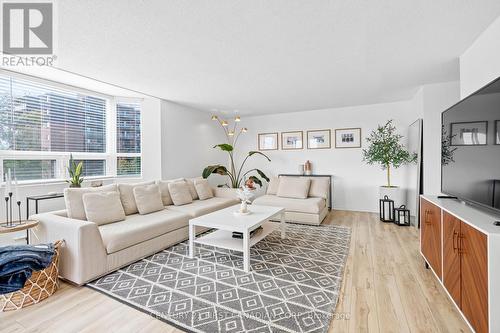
293 285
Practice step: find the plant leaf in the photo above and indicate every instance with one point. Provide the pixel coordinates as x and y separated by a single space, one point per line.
218 169
250 153
224 147
256 180
263 175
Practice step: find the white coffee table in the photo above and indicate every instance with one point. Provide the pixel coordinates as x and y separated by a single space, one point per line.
225 221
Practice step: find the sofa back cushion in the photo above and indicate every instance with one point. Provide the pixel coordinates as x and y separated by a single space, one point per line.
179 191
148 199
192 187
272 187
294 187
320 187
203 189
103 207
127 196
74 201
165 194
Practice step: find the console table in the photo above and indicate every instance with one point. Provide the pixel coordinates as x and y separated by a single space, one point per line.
37 198
461 244
330 200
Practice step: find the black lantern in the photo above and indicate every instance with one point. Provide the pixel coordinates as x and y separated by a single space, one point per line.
386 209
402 216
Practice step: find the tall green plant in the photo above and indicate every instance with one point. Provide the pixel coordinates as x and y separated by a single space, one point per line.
387 150
236 174
75 172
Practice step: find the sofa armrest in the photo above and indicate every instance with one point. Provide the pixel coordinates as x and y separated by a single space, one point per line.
224 192
83 255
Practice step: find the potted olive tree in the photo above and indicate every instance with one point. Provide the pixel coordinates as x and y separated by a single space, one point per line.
385 149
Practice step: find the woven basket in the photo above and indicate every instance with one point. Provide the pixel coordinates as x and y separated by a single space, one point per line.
41 285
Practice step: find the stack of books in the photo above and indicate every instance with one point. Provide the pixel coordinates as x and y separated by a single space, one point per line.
252 233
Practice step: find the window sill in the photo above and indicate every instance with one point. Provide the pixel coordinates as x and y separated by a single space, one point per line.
33 183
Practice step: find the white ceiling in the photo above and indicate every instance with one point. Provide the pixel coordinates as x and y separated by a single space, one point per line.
269 56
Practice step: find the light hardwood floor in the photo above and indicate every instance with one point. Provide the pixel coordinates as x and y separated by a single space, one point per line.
386 289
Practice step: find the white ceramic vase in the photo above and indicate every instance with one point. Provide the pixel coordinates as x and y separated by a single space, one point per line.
243 207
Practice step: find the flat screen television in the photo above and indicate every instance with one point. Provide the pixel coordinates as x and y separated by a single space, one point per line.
470 149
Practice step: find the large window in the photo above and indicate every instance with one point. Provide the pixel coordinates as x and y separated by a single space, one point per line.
128 139
40 125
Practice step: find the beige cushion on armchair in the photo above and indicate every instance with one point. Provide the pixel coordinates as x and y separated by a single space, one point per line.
272 187
103 207
293 187
148 199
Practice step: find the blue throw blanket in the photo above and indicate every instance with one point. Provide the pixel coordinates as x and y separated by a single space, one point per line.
17 263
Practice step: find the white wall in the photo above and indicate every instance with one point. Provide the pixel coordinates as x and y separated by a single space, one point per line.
428 103
355 183
480 63
188 136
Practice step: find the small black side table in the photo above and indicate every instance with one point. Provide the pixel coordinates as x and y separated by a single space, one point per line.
37 198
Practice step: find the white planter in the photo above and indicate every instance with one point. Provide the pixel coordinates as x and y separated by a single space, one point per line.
395 193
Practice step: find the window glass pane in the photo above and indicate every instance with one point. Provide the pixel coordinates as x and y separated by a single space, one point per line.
30 169
128 131
36 117
93 167
127 166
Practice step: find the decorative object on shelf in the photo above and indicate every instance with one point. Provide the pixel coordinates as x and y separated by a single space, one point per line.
302 169
235 174
469 133
402 216
10 194
385 149
319 139
348 138
268 141
308 168
386 209
244 194
75 172
292 140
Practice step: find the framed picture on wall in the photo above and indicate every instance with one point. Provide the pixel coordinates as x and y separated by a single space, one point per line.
292 140
469 133
319 139
348 138
268 141
497 132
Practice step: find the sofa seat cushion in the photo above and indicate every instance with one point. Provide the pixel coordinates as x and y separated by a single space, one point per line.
137 228
309 205
202 207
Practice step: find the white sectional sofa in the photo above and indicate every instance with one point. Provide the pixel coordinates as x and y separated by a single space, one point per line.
304 198
92 250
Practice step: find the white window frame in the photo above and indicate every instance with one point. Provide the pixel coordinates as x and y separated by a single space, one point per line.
62 158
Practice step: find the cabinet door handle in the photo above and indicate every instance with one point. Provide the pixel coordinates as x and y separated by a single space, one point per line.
427 213
461 244
455 234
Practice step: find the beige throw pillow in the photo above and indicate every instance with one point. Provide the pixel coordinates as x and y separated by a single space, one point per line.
74 201
148 199
103 207
179 191
192 188
320 187
203 189
127 196
272 187
294 187
165 194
